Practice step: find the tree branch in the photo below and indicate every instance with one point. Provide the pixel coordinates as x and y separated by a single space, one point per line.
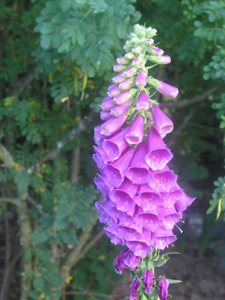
8 200
51 154
187 102
90 244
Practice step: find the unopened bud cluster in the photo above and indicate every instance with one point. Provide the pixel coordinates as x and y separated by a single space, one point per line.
142 200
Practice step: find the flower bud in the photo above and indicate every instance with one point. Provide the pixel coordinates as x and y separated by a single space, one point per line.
119 68
114 90
163 60
150 42
142 103
167 89
121 60
118 78
123 98
157 51
107 104
111 126
137 61
119 110
141 79
126 84
129 55
105 115
129 72
136 50
148 278
163 289
134 287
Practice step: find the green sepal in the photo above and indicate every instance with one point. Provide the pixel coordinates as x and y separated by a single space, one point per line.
172 281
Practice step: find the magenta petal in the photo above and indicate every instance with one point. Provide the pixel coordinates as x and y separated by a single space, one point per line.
128 187
164 59
163 289
142 103
104 217
138 172
129 72
126 84
116 170
105 115
119 264
136 131
172 197
148 199
98 136
107 104
102 184
157 51
99 150
137 61
131 261
112 233
162 238
139 248
123 201
148 278
163 181
158 154
163 124
167 90
141 79
120 110
183 202
113 125
119 68
134 287
148 220
122 98
114 146
118 78
114 90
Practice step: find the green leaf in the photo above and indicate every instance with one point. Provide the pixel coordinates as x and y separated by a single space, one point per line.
45 41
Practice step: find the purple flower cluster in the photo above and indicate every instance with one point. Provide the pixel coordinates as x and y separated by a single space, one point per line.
142 200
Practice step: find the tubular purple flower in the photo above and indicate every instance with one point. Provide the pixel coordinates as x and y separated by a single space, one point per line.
122 60
123 201
163 124
148 220
101 183
123 98
113 235
157 51
129 72
131 261
126 84
167 89
134 287
115 171
139 248
120 110
98 136
113 125
119 264
136 131
138 172
99 150
137 61
162 238
158 154
163 289
142 103
148 277
107 104
141 79
114 146
105 115
148 199
114 90
119 68
118 78
163 181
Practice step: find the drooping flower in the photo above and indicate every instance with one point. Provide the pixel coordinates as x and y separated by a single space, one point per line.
120 110
134 287
148 278
135 133
112 125
163 289
167 89
163 124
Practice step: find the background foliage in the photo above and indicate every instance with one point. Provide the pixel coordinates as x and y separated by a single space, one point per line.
56 59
